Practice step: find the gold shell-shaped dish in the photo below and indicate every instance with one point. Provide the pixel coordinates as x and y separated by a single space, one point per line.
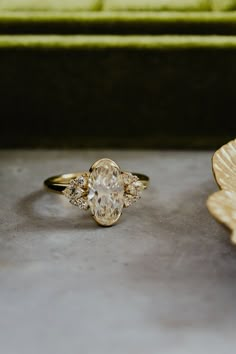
222 204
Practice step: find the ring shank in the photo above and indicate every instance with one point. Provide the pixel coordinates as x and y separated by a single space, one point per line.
59 183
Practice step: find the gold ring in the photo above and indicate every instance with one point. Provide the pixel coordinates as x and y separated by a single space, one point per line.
105 190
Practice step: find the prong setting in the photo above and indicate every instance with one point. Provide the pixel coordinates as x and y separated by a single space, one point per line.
133 188
105 190
77 191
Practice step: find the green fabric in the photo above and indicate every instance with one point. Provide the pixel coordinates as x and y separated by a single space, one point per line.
161 5
117 22
116 16
74 63
50 5
157 91
117 5
170 5
223 5
115 42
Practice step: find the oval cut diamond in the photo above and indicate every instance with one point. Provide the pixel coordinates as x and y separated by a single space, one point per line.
105 192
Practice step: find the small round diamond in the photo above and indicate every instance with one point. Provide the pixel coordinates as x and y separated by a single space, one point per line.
133 189
128 200
67 192
82 181
76 194
127 178
83 203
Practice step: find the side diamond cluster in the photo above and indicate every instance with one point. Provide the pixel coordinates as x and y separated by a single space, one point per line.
77 191
133 188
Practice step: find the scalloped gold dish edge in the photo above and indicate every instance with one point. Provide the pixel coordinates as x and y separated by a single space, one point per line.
222 204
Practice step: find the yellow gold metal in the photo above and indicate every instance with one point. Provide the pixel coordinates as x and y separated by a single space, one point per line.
222 204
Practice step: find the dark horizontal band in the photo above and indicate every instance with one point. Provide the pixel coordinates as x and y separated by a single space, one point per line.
60 182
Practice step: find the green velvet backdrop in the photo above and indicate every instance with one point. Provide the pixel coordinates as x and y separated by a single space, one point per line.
117 79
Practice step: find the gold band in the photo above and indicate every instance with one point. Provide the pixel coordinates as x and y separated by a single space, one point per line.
59 183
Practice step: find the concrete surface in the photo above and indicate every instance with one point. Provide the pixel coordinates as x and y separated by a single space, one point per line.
163 280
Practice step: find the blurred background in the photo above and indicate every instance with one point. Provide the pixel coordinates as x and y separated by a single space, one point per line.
117 73
125 74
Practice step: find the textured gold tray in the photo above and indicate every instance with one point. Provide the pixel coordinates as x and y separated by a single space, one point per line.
222 204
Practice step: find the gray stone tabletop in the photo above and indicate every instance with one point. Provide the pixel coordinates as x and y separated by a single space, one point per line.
163 280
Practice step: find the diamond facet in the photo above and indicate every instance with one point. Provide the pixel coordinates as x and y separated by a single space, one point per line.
127 177
133 188
82 181
106 192
76 194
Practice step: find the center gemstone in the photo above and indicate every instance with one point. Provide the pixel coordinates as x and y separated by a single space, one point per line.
105 192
